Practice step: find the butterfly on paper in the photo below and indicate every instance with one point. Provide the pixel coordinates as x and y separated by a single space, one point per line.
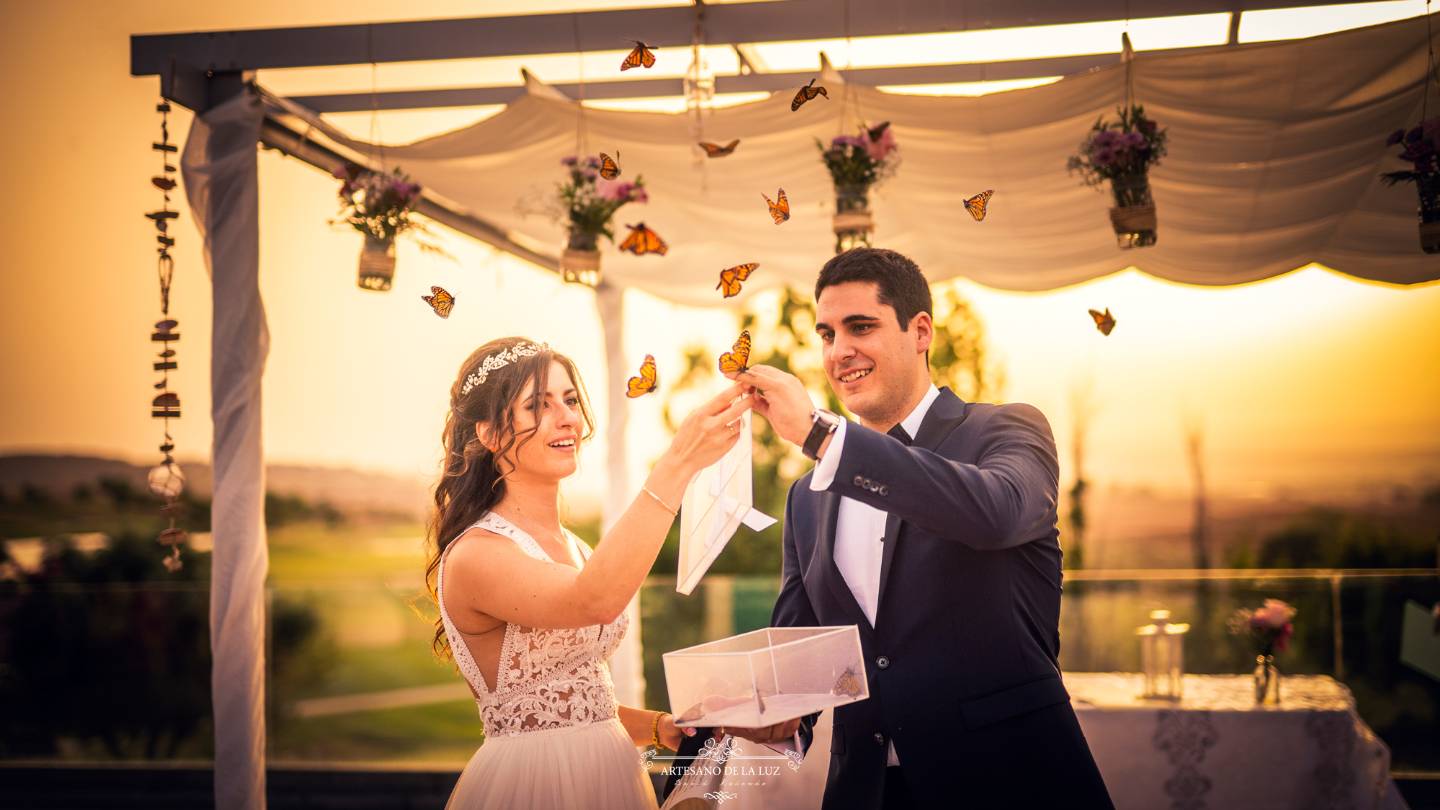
976 205
806 93
731 277
609 169
440 301
642 240
715 150
645 383
738 358
1104 321
639 56
779 207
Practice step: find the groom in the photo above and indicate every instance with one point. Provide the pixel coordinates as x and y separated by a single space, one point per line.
930 524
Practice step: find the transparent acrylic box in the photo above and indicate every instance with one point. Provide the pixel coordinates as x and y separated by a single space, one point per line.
766 676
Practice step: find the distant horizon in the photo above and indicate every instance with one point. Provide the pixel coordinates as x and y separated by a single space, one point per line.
1337 488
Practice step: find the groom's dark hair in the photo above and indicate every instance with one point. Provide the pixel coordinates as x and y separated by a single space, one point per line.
901 284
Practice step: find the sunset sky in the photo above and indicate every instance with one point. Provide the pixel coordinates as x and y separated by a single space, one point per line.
1308 382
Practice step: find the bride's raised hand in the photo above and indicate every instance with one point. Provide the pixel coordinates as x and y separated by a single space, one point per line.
710 430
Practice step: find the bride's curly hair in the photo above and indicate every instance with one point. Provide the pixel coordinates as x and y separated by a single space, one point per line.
471 479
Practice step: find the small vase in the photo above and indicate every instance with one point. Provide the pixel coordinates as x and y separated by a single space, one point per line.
377 263
1267 681
853 222
1133 216
1427 185
580 261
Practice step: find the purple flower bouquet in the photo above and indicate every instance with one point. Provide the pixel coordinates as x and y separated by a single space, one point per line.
378 204
856 163
587 203
1122 152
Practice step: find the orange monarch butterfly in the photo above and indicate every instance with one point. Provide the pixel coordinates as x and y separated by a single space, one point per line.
440 301
731 277
780 208
1104 321
738 358
645 383
642 240
715 150
609 169
640 55
806 93
976 205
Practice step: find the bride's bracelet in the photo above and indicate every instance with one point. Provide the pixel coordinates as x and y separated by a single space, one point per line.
655 731
663 505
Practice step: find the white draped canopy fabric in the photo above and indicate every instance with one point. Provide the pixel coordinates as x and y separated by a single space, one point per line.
1274 155
221 183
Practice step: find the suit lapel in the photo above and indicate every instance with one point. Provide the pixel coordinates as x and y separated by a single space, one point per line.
945 414
823 567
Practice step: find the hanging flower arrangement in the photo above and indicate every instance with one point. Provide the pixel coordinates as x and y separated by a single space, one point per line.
1122 152
856 163
1418 147
587 203
379 205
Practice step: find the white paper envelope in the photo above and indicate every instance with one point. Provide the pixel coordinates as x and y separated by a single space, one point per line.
717 501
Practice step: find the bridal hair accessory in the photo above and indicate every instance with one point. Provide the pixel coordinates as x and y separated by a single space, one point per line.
500 360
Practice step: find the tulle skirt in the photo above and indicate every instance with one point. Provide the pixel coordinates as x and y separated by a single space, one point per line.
593 766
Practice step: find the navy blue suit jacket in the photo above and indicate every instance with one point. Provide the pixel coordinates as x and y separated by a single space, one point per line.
966 639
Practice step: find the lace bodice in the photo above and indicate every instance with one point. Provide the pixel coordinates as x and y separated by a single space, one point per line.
548 677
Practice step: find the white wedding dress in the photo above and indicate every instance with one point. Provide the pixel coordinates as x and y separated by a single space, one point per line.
552 735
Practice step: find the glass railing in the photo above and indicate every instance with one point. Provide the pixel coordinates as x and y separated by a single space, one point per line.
121 672
1349 625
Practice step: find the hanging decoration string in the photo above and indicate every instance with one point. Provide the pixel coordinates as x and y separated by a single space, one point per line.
375 136
699 87
1430 74
848 98
166 480
1127 55
581 133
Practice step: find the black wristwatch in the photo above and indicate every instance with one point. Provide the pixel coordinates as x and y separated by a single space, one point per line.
822 424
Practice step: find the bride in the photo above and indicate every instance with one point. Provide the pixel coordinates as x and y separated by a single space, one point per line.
529 613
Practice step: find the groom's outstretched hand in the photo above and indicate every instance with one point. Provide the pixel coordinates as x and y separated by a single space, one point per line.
781 398
780 732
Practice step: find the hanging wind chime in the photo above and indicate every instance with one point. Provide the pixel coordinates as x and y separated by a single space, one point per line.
165 480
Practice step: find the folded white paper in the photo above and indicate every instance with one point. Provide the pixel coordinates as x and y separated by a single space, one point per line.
717 502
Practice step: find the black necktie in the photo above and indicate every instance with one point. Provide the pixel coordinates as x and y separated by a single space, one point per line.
898 432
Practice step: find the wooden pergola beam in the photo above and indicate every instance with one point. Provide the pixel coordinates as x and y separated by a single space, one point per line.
327 45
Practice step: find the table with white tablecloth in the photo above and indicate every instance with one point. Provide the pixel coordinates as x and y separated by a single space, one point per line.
1214 749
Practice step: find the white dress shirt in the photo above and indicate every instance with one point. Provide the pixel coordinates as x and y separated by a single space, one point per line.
860 527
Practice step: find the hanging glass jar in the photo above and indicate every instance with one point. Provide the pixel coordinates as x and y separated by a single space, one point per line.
1427 186
377 263
853 222
1133 216
580 262
1267 681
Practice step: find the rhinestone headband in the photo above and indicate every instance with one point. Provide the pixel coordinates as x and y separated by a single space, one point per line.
499 360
